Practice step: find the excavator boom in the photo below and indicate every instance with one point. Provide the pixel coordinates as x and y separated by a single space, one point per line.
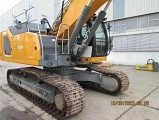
73 11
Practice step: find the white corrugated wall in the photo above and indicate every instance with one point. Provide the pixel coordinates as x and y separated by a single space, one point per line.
145 44
20 8
139 7
44 7
132 58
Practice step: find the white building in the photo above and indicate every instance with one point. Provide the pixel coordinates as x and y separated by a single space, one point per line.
41 7
135 31
135 26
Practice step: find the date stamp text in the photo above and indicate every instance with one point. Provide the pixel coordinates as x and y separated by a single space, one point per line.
129 103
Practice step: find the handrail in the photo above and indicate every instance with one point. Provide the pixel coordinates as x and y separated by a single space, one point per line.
67 29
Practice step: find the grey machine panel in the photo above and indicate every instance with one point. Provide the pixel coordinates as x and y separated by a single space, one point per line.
52 53
28 27
7 46
33 85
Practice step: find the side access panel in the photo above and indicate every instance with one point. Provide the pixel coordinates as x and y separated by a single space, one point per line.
18 46
33 48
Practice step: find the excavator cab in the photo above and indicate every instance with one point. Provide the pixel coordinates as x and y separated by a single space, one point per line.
98 44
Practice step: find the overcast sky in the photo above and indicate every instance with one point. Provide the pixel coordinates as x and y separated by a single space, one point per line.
6 5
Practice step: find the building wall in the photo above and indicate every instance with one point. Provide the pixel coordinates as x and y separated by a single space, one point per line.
50 8
8 17
131 8
136 34
139 7
41 7
132 58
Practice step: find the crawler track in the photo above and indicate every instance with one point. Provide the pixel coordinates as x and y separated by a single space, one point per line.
119 76
73 93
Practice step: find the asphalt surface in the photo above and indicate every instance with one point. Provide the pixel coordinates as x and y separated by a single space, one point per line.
143 90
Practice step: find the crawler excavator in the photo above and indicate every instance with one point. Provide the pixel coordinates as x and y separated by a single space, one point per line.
77 39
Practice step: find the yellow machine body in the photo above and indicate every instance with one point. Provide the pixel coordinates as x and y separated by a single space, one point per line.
24 48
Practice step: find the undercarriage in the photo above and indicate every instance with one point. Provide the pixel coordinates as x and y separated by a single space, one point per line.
61 87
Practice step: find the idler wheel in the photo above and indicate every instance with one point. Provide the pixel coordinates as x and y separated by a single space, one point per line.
60 101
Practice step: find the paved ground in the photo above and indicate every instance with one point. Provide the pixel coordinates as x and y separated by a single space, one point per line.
144 86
